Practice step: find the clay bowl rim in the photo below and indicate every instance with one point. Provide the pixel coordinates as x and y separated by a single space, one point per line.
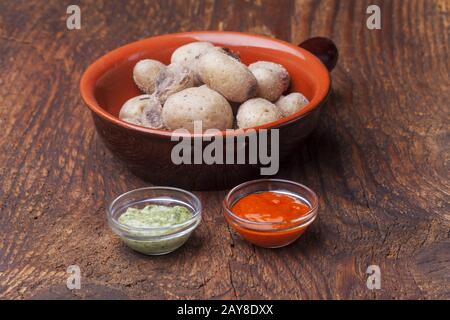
94 71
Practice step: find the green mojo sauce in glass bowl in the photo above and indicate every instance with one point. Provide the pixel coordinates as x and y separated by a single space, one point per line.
155 220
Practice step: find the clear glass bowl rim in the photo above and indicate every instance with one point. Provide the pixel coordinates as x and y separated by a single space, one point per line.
306 219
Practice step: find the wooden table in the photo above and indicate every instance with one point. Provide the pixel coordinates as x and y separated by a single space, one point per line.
379 159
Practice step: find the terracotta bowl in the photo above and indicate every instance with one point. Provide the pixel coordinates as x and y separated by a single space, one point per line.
108 83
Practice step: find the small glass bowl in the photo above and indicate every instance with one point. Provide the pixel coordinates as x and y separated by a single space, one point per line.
271 234
154 240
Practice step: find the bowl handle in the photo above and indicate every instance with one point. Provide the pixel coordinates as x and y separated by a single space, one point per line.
322 48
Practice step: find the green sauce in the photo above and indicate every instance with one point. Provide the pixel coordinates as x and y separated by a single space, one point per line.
155 216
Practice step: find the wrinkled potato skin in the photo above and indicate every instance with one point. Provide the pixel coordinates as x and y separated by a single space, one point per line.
197 104
291 103
135 110
273 79
256 112
226 75
173 79
145 73
152 114
189 54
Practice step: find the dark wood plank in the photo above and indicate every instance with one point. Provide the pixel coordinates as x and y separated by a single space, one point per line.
379 158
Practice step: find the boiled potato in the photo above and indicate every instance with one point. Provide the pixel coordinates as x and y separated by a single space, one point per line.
291 103
144 110
172 79
273 79
189 54
203 104
226 75
256 112
145 73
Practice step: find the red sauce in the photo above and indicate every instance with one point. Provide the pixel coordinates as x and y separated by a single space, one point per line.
281 209
270 207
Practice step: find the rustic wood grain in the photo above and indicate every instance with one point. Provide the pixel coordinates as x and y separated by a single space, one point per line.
379 159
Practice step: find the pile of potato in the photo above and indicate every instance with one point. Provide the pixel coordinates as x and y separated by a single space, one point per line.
199 85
